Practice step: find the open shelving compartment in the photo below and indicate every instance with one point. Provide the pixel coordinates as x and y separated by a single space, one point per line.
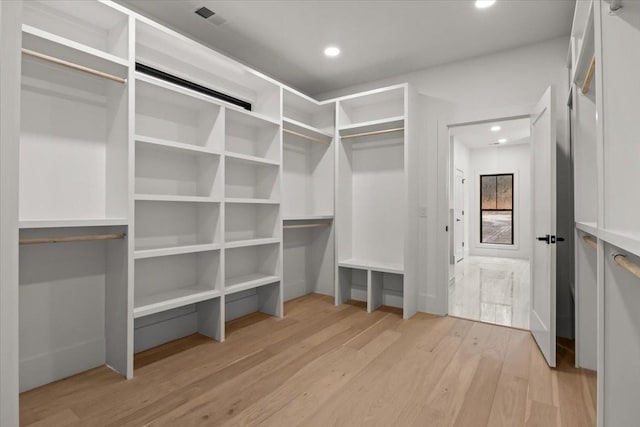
251 224
252 280
177 295
372 207
74 138
251 138
245 179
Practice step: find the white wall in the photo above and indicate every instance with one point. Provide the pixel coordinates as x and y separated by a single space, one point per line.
514 159
485 85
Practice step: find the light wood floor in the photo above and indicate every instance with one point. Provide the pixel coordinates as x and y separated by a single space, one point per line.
323 365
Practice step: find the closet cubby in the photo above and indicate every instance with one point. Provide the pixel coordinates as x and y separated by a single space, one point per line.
72 299
166 173
308 254
352 284
165 228
251 266
156 47
248 224
307 116
385 289
379 108
88 33
307 178
174 281
245 179
74 138
265 298
175 117
251 138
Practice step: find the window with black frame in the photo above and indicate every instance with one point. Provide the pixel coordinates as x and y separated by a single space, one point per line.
496 209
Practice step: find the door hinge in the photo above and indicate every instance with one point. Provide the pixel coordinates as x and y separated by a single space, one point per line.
446 228
463 244
462 212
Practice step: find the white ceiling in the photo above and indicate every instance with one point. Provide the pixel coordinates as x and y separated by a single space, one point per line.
481 135
379 39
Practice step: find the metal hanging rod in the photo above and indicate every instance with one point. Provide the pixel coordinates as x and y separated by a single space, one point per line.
587 79
590 241
301 135
315 225
73 66
66 239
624 262
375 132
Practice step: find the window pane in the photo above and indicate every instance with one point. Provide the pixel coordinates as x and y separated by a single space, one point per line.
488 187
505 192
497 227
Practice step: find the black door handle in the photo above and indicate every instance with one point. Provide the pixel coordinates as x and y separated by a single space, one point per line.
544 239
560 239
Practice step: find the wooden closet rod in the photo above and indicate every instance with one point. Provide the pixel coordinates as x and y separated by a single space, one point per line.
320 224
624 262
301 135
590 241
65 239
375 132
589 76
73 66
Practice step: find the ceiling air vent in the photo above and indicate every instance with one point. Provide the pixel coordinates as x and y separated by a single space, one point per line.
210 16
205 13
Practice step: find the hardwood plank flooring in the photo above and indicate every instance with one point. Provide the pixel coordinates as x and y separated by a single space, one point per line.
323 365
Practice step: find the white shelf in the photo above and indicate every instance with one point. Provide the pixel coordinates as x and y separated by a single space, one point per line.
250 159
251 201
629 242
171 198
251 242
308 218
176 250
175 146
372 265
373 126
305 129
588 227
144 306
50 44
250 281
60 223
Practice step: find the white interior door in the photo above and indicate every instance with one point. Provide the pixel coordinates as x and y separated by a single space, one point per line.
458 216
543 254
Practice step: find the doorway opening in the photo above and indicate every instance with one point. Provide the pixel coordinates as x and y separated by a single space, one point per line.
490 222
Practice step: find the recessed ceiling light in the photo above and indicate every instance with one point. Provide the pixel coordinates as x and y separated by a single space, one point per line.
495 128
502 140
332 51
483 4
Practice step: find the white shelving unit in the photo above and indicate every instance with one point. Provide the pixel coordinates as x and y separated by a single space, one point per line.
74 137
605 153
375 214
308 189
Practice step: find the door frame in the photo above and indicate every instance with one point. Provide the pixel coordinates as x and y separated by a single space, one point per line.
457 171
445 179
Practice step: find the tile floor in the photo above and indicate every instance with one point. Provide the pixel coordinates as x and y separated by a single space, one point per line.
494 290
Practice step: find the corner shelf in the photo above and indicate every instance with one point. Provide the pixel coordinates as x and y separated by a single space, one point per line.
251 242
171 198
372 126
629 242
250 281
304 129
176 250
250 159
251 201
145 306
175 146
